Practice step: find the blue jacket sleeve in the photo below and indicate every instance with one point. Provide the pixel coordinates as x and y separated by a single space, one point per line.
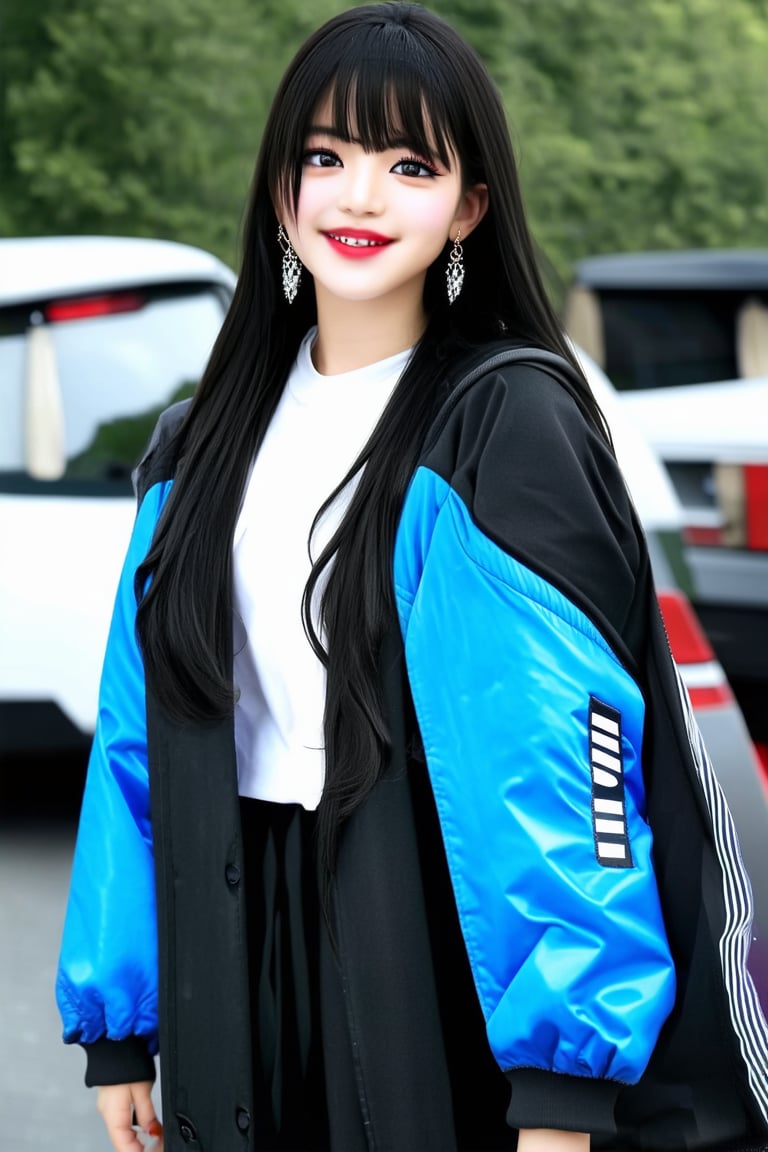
106 985
533 731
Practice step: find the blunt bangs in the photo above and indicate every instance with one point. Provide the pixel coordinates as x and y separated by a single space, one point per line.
388 86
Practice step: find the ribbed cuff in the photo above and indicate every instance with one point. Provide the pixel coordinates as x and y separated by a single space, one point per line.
566 1103
118 1061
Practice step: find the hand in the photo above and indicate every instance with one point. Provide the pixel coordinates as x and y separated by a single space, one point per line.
547 1140
117 1104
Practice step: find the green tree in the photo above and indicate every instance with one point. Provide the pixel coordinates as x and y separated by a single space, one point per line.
125 126
643 124
23 41
636 125
143 117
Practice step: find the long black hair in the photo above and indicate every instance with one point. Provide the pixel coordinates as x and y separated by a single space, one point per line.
393 70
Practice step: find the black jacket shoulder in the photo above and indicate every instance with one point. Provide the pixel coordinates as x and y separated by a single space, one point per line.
160 457
541 480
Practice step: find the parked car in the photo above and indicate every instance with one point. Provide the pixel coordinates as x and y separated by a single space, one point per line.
97 335
684 338
718 715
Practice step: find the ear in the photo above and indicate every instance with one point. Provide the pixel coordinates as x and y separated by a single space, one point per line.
472 208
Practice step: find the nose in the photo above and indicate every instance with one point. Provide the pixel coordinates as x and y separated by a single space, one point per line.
361 194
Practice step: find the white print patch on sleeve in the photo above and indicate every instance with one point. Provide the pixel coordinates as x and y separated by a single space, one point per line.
609 817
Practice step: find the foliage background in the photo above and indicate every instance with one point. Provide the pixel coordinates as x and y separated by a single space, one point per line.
637 123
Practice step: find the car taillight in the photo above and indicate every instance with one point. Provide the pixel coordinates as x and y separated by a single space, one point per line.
87 307
762 756
756 485
706 535
703 675
741 494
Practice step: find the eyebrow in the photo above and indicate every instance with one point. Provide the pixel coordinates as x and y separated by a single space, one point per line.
337 134
327 130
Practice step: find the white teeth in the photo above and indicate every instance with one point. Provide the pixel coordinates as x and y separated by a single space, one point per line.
355 242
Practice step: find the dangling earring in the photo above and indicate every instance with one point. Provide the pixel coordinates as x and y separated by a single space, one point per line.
291 266
454 273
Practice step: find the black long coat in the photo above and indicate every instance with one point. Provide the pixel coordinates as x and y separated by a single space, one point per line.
394 1025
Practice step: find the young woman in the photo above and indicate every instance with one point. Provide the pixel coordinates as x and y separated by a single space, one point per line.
388 720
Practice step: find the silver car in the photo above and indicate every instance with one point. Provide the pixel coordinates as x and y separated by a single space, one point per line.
684 338
718 715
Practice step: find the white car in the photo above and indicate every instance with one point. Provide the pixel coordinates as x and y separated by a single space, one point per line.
720 720
97 335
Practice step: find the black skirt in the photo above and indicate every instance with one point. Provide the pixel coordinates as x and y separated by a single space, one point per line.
283 943
306 1094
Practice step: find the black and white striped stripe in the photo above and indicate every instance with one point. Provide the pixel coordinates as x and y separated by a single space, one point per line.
606 760
746 1014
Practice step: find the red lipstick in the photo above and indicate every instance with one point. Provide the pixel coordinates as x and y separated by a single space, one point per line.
357 243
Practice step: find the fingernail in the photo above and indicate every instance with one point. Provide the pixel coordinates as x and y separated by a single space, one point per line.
155 1128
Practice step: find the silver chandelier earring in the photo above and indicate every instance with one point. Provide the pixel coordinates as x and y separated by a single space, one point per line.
291 266
454 273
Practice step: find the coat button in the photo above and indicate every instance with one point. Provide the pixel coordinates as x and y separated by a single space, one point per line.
243 1119
186 1129
232 873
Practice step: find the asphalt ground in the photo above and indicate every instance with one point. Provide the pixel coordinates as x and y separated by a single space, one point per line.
44 1104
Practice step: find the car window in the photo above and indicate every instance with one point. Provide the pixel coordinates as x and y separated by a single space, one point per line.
98 371
665 339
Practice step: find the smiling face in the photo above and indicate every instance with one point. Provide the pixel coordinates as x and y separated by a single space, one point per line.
369 224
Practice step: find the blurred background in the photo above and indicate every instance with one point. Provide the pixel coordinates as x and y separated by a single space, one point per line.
639 125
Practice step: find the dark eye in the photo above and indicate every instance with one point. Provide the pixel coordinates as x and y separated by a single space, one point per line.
411 166
321 158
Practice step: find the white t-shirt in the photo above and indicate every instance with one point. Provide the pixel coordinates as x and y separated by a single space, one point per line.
320 426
